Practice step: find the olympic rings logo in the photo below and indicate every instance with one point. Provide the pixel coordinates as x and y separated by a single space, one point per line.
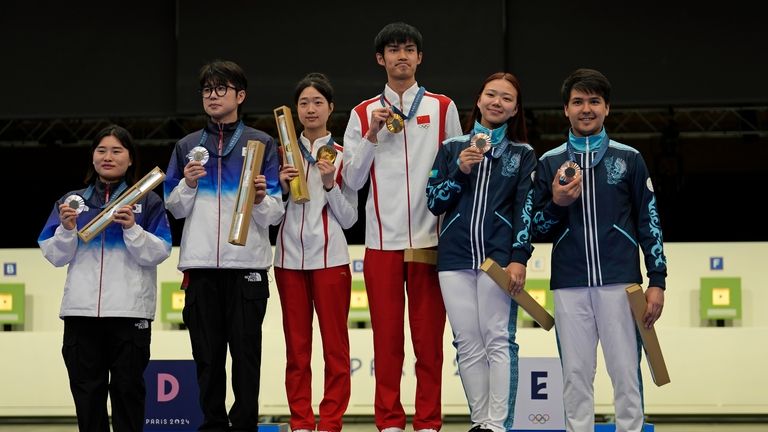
538 418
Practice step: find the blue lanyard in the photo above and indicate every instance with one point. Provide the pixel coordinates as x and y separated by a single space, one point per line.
232 141
88 192
596 159
307 155
414 105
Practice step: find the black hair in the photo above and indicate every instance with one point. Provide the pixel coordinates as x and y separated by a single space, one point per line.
517 131
588 81
223 72
317 80
398 32
126 140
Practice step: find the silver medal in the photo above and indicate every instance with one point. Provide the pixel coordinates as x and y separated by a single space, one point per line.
76 202
199 154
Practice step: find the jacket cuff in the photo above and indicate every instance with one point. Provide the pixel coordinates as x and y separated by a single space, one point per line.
657 281
555 210
519 256
133 232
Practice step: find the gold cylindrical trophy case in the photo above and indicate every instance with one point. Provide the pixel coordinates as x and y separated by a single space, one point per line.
130 197
246 192
291 153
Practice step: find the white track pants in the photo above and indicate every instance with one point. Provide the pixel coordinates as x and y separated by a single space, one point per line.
582 317
484 321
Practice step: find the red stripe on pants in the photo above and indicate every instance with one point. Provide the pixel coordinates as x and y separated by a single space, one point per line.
329 291
385 276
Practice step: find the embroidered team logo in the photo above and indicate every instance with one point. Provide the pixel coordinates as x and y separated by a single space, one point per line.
423 121
616 169
142 324
253 277
510 164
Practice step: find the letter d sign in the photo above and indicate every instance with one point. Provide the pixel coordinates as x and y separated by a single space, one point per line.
162 395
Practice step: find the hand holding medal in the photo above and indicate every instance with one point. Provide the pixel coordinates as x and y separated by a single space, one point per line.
568 172
395 120
473 154
72 206
194 169
566 186
327 153
481 141
199 154
395 123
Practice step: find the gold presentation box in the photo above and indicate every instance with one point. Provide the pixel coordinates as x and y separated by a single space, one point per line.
291 153
130 197
524 299
651 344
246 192
424 256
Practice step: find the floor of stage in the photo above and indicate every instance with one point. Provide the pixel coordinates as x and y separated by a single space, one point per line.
453 425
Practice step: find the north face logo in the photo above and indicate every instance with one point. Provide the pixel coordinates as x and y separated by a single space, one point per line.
253 277
142 324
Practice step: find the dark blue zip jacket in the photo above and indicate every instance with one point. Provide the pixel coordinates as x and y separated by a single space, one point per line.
487 213
597 239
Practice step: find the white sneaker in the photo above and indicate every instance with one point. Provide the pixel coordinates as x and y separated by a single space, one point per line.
425 430
302 430
392 429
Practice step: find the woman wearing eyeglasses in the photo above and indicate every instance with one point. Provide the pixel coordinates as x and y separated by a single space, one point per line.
226 285
312 264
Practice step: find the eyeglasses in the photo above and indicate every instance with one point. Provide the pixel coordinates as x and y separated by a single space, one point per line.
220 90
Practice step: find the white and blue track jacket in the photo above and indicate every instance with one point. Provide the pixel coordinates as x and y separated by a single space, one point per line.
208 208
115 274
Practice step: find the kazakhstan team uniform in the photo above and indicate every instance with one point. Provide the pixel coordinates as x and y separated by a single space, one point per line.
486 214
596 244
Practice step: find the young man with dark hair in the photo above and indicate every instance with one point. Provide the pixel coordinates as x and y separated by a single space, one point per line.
392 139
595 201
226 285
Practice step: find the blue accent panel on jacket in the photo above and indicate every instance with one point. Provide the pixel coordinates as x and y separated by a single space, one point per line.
658 249
441 191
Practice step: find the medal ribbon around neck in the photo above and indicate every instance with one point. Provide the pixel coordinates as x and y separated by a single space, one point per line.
414 105
232 141
596 159
116 193
308 156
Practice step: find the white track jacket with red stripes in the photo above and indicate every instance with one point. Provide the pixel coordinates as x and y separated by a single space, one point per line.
398 166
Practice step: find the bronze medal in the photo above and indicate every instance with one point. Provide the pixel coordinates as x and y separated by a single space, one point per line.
481 141
568 171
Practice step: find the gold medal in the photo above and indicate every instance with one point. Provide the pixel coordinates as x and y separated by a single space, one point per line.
327 153
481 141
199 154
395 123
568 171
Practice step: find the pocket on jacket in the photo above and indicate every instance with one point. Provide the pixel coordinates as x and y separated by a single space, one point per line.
624 234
